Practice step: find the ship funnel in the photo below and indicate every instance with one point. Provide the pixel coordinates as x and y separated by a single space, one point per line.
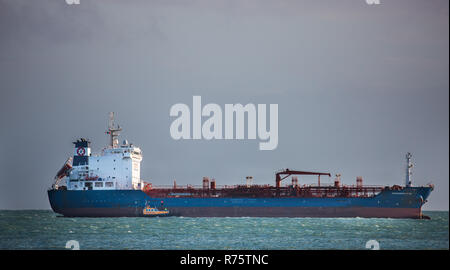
82 152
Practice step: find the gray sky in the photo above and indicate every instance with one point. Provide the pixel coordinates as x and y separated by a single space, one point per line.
357 87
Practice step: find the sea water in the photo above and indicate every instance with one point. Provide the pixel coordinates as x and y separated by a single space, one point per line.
41 229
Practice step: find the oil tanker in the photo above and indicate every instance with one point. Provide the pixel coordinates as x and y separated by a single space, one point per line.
108 184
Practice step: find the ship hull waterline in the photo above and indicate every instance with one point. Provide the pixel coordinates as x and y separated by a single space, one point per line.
130 203
312 212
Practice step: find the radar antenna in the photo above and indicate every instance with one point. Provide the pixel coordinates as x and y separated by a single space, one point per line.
113 131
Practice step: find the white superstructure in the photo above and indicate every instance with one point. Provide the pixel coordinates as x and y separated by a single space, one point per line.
116 167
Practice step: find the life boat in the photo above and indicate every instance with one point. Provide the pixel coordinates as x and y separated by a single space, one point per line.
154 212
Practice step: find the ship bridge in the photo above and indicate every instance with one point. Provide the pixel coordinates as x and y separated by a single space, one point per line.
117 166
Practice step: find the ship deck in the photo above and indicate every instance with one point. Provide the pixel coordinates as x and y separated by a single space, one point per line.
266 191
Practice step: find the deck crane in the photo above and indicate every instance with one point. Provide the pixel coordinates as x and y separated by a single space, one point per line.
288 172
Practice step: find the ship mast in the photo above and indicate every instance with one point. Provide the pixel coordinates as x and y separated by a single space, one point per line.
113 131
409 166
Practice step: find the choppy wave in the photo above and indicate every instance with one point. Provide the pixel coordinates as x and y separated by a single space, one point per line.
45 230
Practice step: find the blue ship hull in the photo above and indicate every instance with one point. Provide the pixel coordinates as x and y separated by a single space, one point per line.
405 203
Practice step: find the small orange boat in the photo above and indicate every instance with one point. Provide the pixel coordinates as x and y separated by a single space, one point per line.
154 212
